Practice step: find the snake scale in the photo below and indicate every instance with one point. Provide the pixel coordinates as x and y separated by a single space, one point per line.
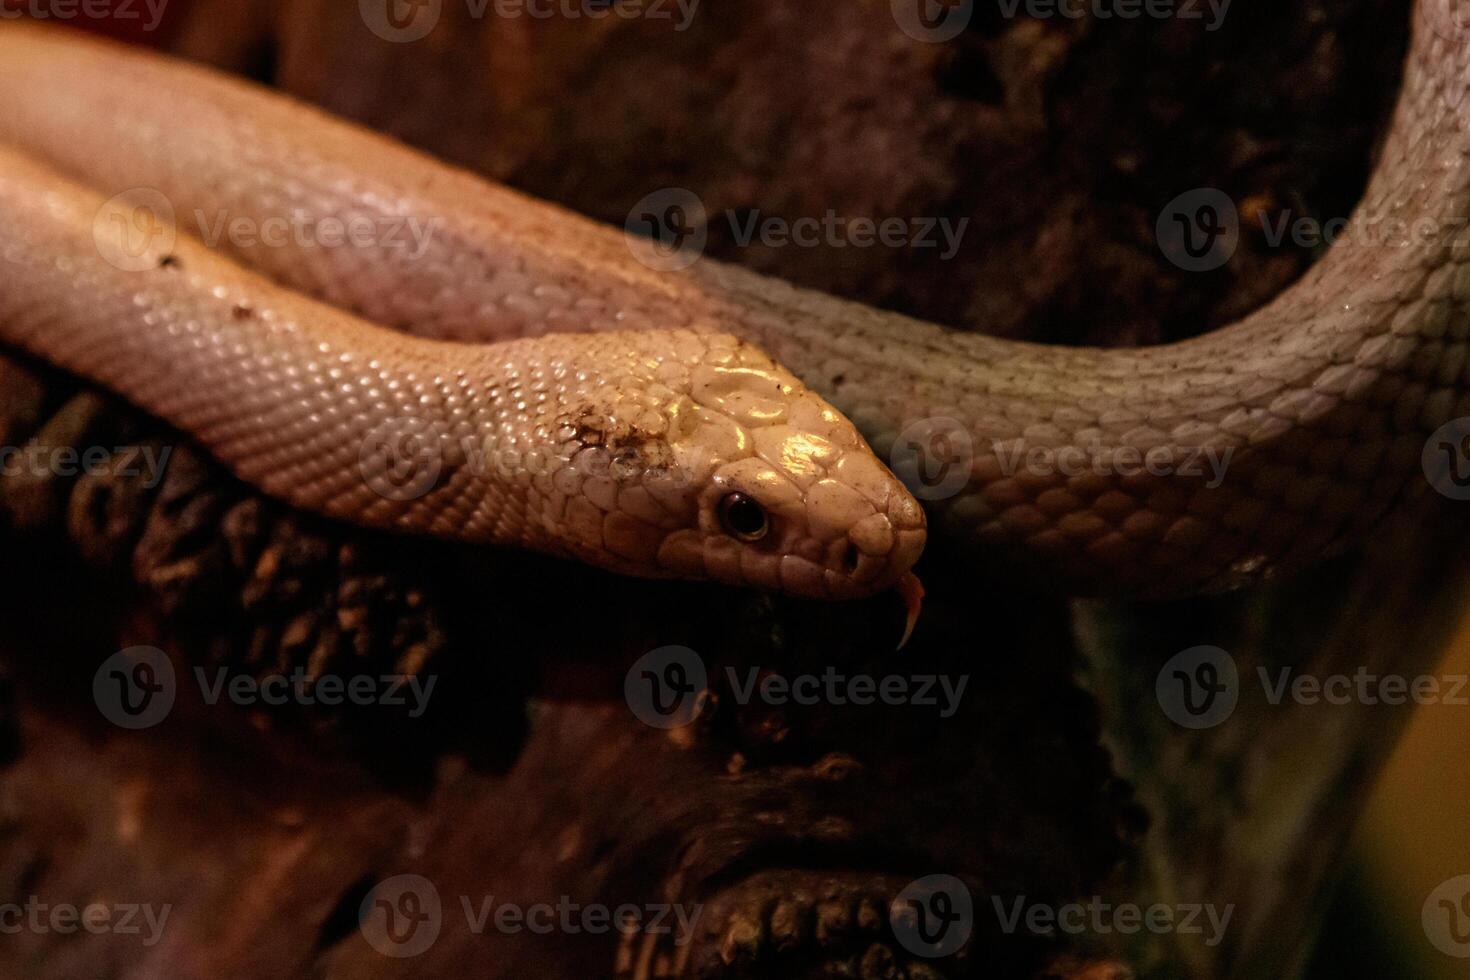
533 334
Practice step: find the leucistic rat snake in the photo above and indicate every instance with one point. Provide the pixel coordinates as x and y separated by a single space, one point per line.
526 333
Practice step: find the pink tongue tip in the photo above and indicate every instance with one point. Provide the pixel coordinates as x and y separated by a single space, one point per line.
912 591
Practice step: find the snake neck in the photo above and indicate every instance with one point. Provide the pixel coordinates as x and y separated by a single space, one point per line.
1197 464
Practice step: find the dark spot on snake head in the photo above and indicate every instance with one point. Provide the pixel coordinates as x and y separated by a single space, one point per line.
631 449
170 262
243 312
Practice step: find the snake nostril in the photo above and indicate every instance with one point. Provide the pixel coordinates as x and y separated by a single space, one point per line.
850 558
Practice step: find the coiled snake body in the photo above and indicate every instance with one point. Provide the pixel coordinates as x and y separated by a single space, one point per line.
1320 403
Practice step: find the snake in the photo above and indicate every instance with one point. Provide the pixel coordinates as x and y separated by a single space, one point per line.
645 452
522 325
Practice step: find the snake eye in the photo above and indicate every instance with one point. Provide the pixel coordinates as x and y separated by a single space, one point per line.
743 518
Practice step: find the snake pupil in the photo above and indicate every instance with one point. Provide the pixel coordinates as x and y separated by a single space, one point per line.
743 517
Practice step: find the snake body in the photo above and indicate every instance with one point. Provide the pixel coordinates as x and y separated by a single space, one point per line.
654 453
1320 403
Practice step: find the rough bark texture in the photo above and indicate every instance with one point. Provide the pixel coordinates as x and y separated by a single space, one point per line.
1059 777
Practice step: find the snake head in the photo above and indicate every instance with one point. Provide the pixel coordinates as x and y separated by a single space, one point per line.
782 492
